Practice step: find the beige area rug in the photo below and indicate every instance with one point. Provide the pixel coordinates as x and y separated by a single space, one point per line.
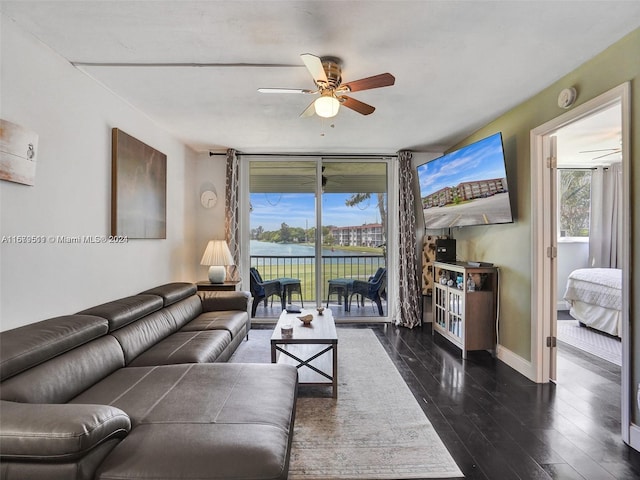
596 343
374 430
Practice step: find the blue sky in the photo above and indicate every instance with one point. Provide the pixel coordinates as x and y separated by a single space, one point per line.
298 210
478 161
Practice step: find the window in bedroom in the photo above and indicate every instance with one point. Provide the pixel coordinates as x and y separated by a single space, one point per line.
574 203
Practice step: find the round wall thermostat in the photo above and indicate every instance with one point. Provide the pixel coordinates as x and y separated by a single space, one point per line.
567 97
208 199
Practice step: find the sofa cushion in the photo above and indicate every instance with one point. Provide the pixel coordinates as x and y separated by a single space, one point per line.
232 321
185 347
141 335
126 310
199 451
27 346
200 421
65 376
173 292
212 300
199 392
75 469
57 432
185 310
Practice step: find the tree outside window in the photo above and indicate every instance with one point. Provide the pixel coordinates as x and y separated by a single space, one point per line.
574 191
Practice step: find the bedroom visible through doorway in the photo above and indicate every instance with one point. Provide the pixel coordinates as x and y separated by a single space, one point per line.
589 233
547 157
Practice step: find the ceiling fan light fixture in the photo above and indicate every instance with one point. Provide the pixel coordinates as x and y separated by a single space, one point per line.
327 105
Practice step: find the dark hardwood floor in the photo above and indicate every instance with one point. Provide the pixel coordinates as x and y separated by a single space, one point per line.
497 424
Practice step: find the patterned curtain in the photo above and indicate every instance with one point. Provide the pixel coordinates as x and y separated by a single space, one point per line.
231 227
407 313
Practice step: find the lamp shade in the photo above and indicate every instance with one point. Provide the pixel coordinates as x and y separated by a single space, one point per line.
327 106
217 256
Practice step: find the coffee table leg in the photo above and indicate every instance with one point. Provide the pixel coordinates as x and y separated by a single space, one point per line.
273 353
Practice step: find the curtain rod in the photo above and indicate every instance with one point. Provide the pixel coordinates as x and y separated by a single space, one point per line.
583 168
337 155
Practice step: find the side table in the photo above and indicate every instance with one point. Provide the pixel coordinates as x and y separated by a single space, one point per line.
289 286
342 287
228 286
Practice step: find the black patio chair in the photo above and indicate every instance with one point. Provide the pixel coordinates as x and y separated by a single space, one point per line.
261 290
374 289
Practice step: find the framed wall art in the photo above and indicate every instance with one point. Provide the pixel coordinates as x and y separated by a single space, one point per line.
138 188
18 148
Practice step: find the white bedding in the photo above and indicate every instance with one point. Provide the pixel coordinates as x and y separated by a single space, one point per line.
595 295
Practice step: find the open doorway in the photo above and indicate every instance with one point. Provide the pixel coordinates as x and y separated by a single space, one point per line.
545 155
589 216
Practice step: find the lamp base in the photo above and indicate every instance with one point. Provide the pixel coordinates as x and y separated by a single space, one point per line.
217 274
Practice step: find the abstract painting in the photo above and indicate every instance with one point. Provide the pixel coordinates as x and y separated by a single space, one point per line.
138 188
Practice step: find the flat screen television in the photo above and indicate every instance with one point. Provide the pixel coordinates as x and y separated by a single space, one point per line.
466 187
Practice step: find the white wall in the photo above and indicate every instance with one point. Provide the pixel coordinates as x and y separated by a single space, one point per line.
206 173
73 116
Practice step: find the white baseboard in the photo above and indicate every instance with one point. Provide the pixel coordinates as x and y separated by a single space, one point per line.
519 364
634 437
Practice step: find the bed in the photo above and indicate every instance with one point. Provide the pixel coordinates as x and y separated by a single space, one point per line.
595 296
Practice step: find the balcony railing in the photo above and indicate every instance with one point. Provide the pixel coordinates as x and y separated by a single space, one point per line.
359 267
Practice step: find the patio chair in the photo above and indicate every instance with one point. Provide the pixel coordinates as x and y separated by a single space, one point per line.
261 290
374 289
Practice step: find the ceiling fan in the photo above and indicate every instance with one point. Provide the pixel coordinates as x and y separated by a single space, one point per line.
612 151
327 75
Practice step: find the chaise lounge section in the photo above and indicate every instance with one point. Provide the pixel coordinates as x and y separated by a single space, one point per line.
138 388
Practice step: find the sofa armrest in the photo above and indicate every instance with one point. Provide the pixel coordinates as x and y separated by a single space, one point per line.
217 301
45 432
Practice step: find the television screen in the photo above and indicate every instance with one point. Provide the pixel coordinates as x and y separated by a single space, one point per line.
466 187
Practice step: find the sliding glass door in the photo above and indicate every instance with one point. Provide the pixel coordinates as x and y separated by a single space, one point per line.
354 227
282 241
319 227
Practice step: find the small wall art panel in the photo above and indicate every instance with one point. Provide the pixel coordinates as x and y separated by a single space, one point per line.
18 148
138 188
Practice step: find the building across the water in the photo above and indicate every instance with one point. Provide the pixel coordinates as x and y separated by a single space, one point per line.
366 235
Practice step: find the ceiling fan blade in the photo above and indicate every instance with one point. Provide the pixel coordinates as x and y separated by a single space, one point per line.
310 110
286 90
356 105
599 150
314 65
606 155
377 81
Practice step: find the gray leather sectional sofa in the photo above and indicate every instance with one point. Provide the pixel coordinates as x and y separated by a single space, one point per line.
137 388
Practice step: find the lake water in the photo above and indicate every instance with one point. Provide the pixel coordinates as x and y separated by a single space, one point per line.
297 250
350 263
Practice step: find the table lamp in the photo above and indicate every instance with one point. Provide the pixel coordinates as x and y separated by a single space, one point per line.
217 256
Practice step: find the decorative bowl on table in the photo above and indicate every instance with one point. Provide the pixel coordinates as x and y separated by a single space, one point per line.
320 310
306 319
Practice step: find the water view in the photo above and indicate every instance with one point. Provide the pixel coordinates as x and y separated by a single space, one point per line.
295 260
259 248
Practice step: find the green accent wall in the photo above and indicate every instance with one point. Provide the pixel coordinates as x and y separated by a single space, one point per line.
509 246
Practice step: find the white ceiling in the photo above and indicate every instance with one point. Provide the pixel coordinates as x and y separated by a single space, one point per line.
595 140
458 65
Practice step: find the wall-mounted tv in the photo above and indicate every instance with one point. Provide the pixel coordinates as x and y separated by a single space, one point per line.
466 187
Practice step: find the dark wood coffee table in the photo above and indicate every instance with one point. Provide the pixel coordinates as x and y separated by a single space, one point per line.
312 349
